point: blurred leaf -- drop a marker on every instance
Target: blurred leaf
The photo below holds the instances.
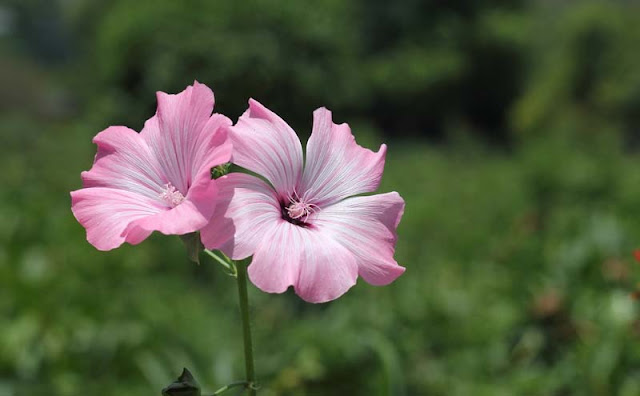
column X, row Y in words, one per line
column 193, row 245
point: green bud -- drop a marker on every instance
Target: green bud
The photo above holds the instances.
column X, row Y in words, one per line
column 220, row 170
column 185, row 385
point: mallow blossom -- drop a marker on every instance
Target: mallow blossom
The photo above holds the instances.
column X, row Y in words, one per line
column 158, row 179
column 309, row 228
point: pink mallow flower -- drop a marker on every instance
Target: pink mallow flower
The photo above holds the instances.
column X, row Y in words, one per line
column 158, row 179
column 306, row 229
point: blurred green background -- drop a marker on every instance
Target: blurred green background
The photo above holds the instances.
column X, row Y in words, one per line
column 513, row 134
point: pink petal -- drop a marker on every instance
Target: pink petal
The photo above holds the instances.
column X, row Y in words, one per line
column 276, row 262
column 182, row 132
column 327, row 269
column 214, row 150
column 189, row 216
column 336, row 166
column 124, row 161
column 248, row 221
column 106, row 212
column 366, row 226
column 131, row 189
column 265, row 144
column 319, row 268
column 246, row 208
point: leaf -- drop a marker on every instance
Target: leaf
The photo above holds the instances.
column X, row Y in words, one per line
column 194, row 246
column 185, row 385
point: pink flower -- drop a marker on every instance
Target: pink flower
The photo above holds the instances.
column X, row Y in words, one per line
column 303, row 229
column 158, row 179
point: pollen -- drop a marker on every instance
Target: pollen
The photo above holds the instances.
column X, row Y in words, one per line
column 171, row 195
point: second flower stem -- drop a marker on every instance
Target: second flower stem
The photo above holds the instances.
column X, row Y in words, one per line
column 241, row 267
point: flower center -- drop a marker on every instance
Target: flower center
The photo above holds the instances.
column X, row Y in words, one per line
column 297, row 211
column 171, row 195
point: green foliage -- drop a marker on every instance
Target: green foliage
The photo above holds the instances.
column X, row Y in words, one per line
column 518, row 256
column 583, row 75
column 362, row 57
column 517, row 283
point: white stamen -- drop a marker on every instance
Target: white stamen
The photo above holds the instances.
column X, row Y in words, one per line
column 299, row 209
column 171, row 195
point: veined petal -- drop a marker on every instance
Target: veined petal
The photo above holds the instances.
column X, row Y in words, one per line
column 158, row 180
column 366, row 226
column 106, row 212
column 214, row 149
column 181, row 131
column 336, row 166
column 124, row 161
column 319, row 268
column 327, row 269
column 189, row 216
column 246, row 209
column 265, row 144
column 276, row 263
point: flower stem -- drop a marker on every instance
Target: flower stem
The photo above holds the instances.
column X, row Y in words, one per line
column 241, row 268
column 230, row 386
column 225, row 262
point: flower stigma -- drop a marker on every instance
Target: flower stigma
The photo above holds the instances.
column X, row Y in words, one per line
column 171, row 195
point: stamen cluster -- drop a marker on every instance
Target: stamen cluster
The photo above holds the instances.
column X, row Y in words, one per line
column 171, row 195
column 298, row 209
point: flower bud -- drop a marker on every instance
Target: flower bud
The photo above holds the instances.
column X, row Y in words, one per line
column 185, row 385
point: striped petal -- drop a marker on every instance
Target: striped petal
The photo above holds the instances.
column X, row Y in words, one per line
column 336, row 166
column 366, row 226
column 266, row 145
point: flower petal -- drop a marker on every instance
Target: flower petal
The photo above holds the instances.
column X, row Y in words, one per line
column 181, row 132
column 276, row 262
column 336, row 166
column 366, row 226
column 106, row 212
column 265, row 144
column 319, row 268
column 189, row 216
column 124, row 161
column 246, row 207
column 215, row 149
column 327, row 269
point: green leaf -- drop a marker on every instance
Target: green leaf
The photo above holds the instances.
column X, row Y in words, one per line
column 185, row 385
column 193, row 245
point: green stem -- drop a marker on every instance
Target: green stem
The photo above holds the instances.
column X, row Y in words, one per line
column 227, row 264
column 230, row 386
column 241, row 268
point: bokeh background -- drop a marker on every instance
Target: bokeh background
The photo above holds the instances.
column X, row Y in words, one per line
column 513, row 134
